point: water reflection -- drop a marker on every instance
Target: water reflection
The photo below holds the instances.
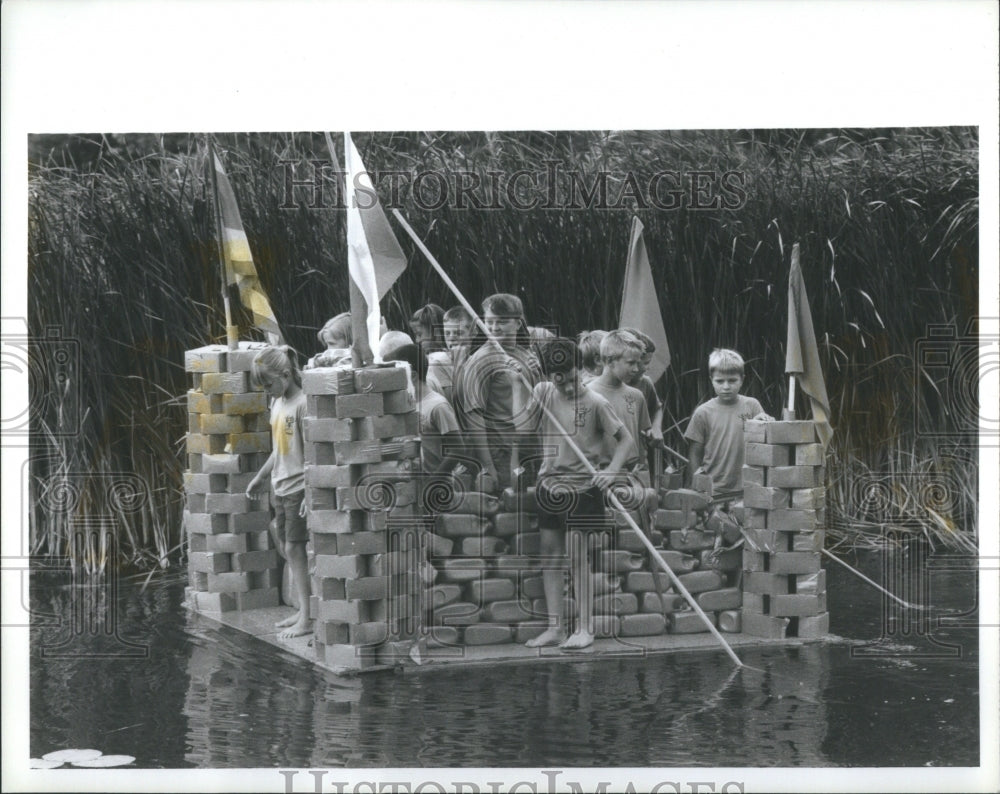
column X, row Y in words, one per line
column 212, row 697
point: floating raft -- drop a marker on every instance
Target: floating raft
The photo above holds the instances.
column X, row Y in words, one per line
column 259, row 623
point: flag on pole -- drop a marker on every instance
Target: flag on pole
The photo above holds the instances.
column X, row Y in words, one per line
column 801, row 352
column 640, row 308
column 238, row 262
column 374, row 258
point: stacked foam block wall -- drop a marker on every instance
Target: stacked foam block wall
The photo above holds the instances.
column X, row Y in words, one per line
column 784, row 586
column 711, row 578
column 361, row 494
column 232, row 562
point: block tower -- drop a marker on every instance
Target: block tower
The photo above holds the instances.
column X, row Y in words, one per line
column 232, row 562
column 784, row 587
column 362, row 457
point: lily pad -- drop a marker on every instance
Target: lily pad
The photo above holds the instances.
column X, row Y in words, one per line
column 107, row 760
column 72, row 755
column 41, row 763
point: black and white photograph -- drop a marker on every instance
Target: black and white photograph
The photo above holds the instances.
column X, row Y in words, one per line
column 576, row 396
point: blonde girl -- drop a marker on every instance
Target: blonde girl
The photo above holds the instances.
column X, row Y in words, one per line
column 275, row 369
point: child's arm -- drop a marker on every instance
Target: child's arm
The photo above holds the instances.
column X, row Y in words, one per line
column 452, row 441
column 606, row 477
column 696, row 455
column 261, row 477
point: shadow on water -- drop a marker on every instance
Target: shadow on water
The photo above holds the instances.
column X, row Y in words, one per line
column 146, row 678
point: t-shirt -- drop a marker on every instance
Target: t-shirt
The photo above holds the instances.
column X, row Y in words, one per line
column 487, row 385
column 648, row 390
column 629, row 405
column 589, row 420
column 720, row 428
column 440, row 372
column 288, row 474
column 437, row 418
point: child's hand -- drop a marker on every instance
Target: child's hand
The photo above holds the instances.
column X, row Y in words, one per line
column 302, row 509
column 763, row 417
column 604, row 479
column 252, row 489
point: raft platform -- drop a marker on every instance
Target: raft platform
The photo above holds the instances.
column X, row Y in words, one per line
column 259, row 624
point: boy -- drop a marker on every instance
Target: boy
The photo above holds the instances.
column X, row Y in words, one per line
column 642, row 382
column 590, row 354
column 443, row 365
column 570, row 497
column 620, row 356
column 438, row 426
column 716, row 427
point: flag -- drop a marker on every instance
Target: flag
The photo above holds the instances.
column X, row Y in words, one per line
column 374, row 258
column 237, row 261
column 801, row 353
column 640, row 308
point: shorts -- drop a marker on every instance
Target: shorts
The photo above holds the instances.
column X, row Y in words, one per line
column 562, row 506
column 288, row 525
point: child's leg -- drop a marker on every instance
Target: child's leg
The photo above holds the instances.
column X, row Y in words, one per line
column 552, row 545
column 299, row 567
column 579, row 561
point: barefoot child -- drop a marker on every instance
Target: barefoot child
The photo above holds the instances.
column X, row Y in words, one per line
column 275, row 370
column 570, row 497
column 716, row 427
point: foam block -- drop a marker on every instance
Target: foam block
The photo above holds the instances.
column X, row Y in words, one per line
column 689, row 622
column 648, row 624
column 791, row 477
column 487, row 634
column 716, row 600
column 767, row 455
column 767, row 626
column 791, row 432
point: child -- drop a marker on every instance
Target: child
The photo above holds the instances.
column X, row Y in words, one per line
column 275, row 370
column 491, row 395
column 570, row 498
column 439, row 430
column 391, row 341
column 336, row 335
column 427, row 328
column 716, row 427
column 620, row 355
column 642, row 382
column 589, row 343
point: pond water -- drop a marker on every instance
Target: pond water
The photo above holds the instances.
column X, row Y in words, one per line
column 176, row 691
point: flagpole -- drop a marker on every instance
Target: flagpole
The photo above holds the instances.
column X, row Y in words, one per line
column 654, row 552
column 789, row 414
column 232, row 333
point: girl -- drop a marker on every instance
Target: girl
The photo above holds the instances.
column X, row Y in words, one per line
column 276, row 371
column 490, row 395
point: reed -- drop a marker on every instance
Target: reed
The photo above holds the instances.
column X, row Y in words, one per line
column 122, row 259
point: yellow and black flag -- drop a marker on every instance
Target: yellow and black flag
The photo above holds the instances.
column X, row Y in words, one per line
column 237, row 261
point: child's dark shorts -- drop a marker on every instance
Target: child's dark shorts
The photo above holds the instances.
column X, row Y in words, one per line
column 289, row 526
column 566, row 505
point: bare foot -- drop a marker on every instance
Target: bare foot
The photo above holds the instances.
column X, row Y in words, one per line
column 301, row 627
column 289, row 621
column 551, row 636
column 577, row 641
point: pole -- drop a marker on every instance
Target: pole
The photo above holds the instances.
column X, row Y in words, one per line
column 577, row 451
column 789, row 414
column 232, row 332
column 874, row 584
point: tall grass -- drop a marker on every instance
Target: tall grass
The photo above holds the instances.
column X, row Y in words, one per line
column 121, row 258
